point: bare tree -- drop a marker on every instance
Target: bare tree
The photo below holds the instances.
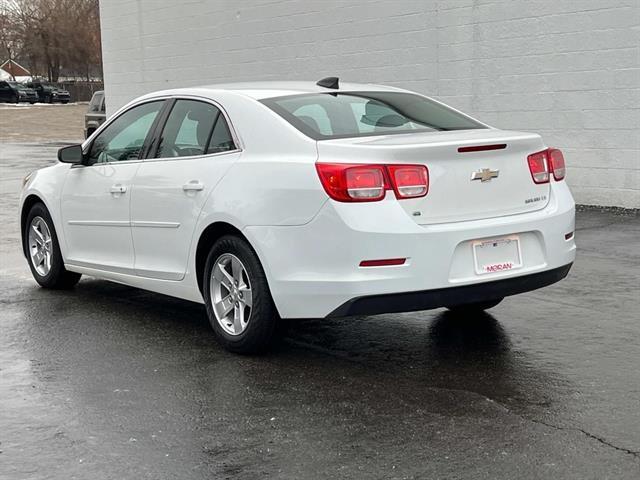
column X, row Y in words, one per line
column 84, row 50
column 55, row 35
column 9, row 37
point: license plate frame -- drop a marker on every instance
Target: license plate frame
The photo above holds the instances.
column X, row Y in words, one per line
column 495, row 255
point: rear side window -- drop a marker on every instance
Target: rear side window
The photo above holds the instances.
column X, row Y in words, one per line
column 355, row 114
column 221, row 140
column 194, row 128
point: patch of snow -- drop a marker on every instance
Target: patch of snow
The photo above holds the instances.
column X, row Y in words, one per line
column 37, row 104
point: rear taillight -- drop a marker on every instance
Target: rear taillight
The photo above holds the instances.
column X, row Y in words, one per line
column 538, row 166
column 543, row 164
column 353, row 183
column 347, row 182
column 409, row 181
column 556, row 164
column 365, row 183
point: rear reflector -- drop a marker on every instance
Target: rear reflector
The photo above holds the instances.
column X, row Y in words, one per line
column 348, row 182
column 409, row 181
column 383, row 263
column 480, row 148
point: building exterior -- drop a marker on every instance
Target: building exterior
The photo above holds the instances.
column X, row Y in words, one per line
column 567, row 69
column 12, row 69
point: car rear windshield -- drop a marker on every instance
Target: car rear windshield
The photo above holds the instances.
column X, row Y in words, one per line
column 323, row 116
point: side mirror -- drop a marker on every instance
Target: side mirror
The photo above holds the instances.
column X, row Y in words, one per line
column 71, row 154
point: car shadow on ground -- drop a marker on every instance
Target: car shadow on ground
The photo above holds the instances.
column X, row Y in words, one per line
column 120, row 357
column 437, row 350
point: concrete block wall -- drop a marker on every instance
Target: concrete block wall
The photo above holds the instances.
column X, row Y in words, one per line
column 568, row 69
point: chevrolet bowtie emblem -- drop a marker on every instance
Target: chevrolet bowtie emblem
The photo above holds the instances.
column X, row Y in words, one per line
column 485, row 174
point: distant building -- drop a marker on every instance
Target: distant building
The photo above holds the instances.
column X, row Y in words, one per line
column 14, row 69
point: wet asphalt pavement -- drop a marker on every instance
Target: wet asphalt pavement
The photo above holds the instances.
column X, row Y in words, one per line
column 111, row 382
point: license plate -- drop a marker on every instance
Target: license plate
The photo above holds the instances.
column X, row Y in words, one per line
column 497, row 255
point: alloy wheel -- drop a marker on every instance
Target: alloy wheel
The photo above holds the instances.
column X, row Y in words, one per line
column 231, row 294
column 40, row 246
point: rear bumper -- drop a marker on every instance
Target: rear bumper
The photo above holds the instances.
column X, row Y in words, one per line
column 444, row 297
column 313, row 269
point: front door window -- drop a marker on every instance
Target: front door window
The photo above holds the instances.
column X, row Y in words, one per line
column 124, row 138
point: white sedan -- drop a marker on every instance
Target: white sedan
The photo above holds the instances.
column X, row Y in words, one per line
column 291, row 200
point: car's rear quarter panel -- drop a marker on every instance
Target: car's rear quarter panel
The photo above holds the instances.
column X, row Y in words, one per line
column 273, row 183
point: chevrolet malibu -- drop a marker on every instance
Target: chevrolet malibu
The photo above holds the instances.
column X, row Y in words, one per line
column 294, row 200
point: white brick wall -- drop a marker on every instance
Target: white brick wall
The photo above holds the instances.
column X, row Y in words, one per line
column 568, row 69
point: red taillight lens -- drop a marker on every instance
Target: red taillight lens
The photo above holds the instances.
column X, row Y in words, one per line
column 409, row 181
column 543, row 164
column 556, row 164
column 352, row 183
column 365, row 183
column 538, row 166
column 347, row 182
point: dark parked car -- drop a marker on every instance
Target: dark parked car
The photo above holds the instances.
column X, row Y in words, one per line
column 48, row 93
column 96, row 114
column 14, row 92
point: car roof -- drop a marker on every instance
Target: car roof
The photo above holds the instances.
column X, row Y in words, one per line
column 262, row 90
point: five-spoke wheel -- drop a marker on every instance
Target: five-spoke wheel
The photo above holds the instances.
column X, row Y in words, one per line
column 237, row 297
column 43, row 251
column 231, row 294
column 40, row 245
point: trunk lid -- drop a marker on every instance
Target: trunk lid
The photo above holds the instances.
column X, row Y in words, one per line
column 453, row 195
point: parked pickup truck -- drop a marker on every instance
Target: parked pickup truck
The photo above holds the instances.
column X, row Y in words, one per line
column 96, row 114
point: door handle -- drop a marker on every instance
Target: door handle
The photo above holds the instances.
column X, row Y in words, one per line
column 193, row 186
column 118, row 188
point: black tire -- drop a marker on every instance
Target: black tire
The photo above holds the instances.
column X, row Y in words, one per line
column 58, row 277
column 475, row 307
column 260, row 331
column 16, row 100
column 64, row 102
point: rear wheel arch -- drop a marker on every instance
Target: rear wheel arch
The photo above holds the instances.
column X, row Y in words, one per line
column 208, row 237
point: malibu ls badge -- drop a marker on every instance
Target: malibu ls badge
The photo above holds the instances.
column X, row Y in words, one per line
column 485, row 174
